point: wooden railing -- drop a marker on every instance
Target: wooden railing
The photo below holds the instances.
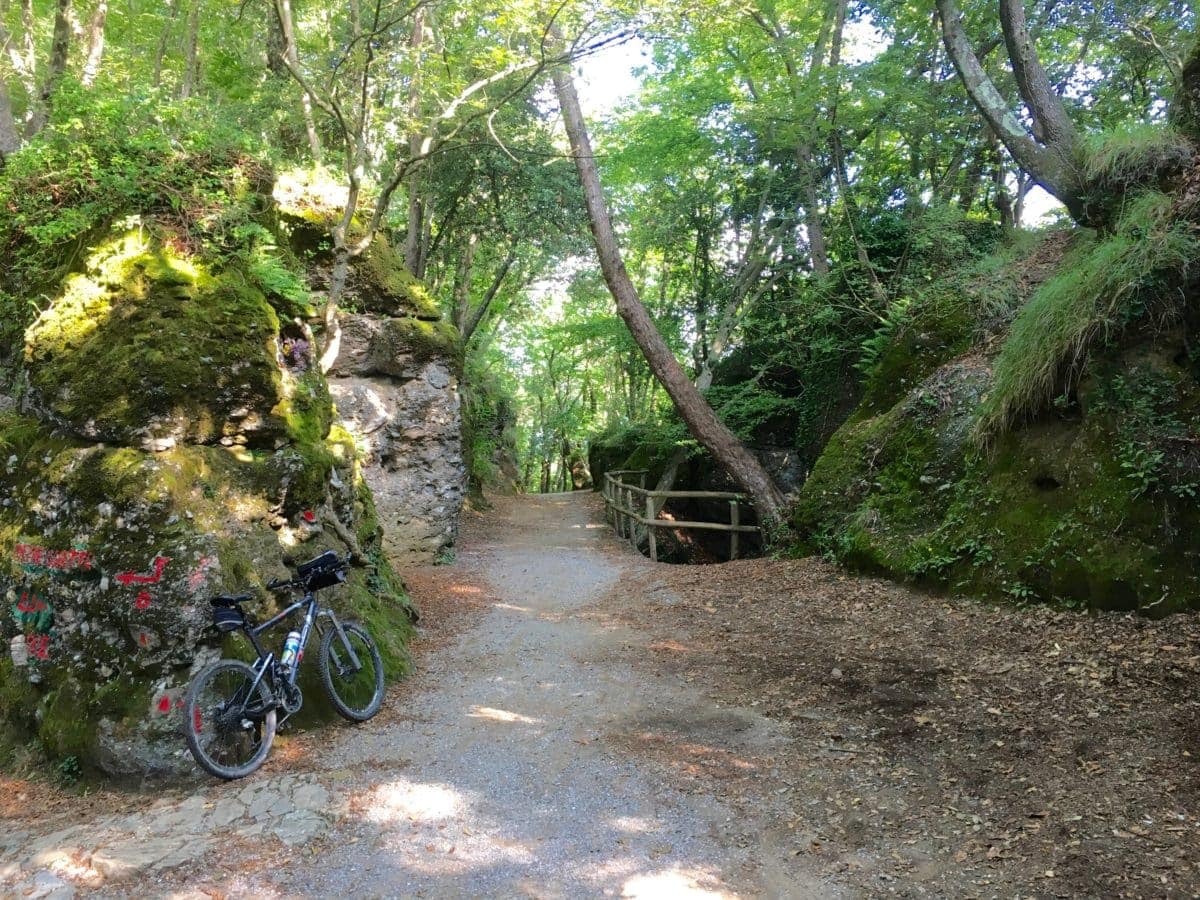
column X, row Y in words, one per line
column 625, row 513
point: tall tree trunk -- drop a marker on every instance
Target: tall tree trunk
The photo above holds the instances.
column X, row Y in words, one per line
column 95, row 53
column 10, row 137
column 462, row 282
column 276, row 45
column 416, row 206
column 1185, row 105
column 191, row 52
column 690, row 403
column 1051, row 124
column 164, row 38
column 283, row 9
column 29, row 52
column 60, row 47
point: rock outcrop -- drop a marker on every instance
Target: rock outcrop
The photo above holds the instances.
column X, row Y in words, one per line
column 167, row 435
column 1091, row 503
column 395, row 383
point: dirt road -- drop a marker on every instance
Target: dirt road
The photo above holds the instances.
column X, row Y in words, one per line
column 493, row 773
column 583, row 723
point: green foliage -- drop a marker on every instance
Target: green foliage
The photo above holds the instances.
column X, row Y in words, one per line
column 1107, row 283
column 100, row 159
column 873, row 348
column 1154, row 440
column 276, row 277
column 69, row 770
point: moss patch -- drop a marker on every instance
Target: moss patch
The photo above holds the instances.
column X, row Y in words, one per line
column 146, row 344
column 1059, row 512
column 382, row 284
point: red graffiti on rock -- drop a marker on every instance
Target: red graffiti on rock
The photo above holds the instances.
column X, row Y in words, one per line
column 39, row 645
column 165, row 704
column 159, row 564
column 143, row 600
column 200, row 575
column 54, row 560
column 31, row 603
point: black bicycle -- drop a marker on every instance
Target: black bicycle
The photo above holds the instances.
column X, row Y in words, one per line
column 231, row 708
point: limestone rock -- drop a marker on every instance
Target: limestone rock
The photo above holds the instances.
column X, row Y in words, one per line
column 396, row 390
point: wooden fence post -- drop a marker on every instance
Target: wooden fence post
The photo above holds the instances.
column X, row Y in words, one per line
column 651, row 531
column 632, row 520
column 622, row 522
column 734, row 520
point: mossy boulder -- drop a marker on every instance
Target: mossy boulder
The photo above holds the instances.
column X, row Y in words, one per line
column 174, row 439
column 380, row 283
column 1090, row 505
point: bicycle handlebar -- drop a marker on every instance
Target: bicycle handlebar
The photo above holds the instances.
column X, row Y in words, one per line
column 279, row 585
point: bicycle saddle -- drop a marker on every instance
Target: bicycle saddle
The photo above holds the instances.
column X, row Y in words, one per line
column 230, row 600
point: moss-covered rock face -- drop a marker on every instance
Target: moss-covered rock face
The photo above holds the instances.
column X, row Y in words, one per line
column 173, row 441
column 1091, row 505
column 148, row 347
column 310, row 204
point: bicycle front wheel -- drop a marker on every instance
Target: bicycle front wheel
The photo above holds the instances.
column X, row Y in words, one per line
column 355, row 692
column 228, row 722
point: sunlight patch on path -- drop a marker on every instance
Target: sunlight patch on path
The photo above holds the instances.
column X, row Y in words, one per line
column 502, row 715
column 673, row 884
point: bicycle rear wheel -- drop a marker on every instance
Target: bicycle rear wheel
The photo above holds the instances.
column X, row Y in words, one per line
column 229, row 723
column 356, row 693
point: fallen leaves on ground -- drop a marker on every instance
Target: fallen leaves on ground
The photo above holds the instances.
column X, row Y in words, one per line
column 943, row 745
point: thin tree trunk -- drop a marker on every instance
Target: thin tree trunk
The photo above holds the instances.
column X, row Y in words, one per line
column 29, row 75
column 164, row 38
column 470, row 325
column 95, row 53
column 462, row 283
column 416, row 208
column 283, row 9
column 10, row 137
column 695, row 411
column 191, row 52
column 60, row 47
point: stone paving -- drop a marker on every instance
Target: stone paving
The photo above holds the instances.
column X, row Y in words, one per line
column 120, row 848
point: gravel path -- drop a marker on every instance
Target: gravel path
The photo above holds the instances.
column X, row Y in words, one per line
column 496, row 772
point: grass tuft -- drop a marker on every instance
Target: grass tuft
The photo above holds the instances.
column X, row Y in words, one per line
column 1138, row 154
column 1106, row 283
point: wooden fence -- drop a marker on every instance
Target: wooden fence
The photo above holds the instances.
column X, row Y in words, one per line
column 625, row 513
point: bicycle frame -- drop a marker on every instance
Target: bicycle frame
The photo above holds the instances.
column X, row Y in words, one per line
column 266, row 658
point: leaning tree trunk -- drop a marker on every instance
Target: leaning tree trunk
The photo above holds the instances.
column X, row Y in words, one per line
column 703, row 423
column 1048, row 154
